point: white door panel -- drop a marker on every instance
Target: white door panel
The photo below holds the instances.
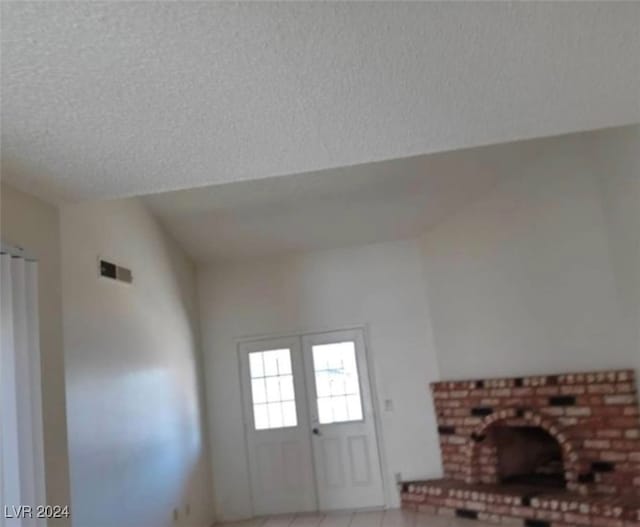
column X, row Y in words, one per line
column 359, row 460
column 345, row 447
column 277, row 423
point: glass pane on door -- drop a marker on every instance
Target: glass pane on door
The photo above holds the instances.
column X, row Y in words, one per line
column 272, row 394
column 337, row 385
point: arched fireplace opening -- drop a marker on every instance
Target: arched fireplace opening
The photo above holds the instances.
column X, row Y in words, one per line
column 527, row 455
column 512, row 447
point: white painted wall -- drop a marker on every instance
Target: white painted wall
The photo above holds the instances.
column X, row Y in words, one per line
column 617, row 157
column 378, row 285
column 35, row 225
column 541, row 275
column 135, row 436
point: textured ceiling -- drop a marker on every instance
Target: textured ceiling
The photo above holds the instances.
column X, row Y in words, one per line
column 112, row 99
column 366, row 203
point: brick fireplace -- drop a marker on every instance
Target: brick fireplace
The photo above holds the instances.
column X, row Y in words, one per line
column 553, row 450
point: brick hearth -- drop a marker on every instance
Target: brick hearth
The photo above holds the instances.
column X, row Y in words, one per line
column 594, row 417
column 519, row 505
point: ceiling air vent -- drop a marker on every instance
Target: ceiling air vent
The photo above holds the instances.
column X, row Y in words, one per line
column 115, row 272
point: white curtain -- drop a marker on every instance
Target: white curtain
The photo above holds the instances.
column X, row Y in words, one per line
column 21, row 449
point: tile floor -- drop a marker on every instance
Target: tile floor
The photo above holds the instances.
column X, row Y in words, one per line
column 389, row 518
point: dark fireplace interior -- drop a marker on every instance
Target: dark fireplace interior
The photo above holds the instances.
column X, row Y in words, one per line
column 528, row 455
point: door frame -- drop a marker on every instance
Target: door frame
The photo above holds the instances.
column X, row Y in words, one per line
column 246, row 419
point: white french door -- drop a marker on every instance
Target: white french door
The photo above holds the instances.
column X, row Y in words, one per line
column 277, row 425
column 345, row 444
column 310, row 427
